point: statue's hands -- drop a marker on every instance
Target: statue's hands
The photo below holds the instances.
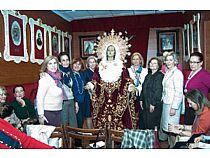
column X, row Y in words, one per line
column 131, row 88
column 89, row 86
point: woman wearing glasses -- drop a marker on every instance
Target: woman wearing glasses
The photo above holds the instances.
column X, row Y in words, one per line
column 197, row 78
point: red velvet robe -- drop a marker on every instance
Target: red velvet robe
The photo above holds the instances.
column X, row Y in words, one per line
column 24, row 141
column 112, row 103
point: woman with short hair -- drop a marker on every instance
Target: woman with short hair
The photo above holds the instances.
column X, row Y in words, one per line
column 68, row 108
column 151, row 94
column 197, row 78
column 172, row 97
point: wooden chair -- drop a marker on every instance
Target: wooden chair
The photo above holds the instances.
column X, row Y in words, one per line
column 85, row 135
column 113, row 137
column 116, row 138
column 60, row 133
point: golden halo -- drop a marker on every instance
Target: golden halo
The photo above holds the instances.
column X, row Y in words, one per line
column 120, row 42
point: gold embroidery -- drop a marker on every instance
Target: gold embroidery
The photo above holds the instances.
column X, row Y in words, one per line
column 106, row 109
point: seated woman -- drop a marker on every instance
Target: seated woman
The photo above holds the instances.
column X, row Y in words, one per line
column 23, row 107
column 6, row 111
column 201, row 124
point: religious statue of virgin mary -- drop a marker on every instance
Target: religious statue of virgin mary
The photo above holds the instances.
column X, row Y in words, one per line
column 111, row 86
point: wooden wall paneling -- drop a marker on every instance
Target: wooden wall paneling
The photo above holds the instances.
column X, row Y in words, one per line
column 207, row 45
column 12, row 73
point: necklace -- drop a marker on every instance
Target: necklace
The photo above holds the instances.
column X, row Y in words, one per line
column 191, row 75
column 80, row 92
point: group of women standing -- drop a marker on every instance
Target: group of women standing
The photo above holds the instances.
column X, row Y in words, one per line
column 61, row 96
column 162, row 94
column 63, row 91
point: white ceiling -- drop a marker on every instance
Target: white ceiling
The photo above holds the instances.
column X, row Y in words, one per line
column 70, row 15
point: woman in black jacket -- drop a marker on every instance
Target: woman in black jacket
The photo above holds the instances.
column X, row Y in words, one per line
column 151, row 95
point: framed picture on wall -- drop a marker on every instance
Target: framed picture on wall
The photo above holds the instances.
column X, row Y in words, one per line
column 15, row 36
column 186, row 42
column 195, row 33
column 167, row 40
column 87, row 45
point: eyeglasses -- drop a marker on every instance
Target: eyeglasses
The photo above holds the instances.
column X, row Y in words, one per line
column 194, row 62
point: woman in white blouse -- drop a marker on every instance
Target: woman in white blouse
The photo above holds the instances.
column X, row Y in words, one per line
column 138, row 74
column 136, row 71
column 50, row 94
column 172, row 97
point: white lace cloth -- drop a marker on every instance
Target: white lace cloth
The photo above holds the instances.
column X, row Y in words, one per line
column 43, row 133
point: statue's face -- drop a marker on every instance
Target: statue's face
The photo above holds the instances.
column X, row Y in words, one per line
column 111, row 51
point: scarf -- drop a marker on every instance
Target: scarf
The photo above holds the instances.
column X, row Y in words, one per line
column 66, row 78
column 57, row 78
column 137, row 75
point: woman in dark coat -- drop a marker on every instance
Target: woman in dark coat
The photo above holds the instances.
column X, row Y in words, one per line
column 88, row 73
column 151, row 95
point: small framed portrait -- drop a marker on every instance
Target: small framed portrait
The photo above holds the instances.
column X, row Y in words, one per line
column 55, row 45
column 195, row 33
column 87, row 45
column 16, row 33
column 167, row 40
column 186, row 42
column 39, row 39
column 66, row 44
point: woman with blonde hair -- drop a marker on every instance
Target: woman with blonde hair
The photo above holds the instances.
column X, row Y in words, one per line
column 164, row 67
column 172, row 97
column 138, row 74
column 50, row 94
column 88, row 73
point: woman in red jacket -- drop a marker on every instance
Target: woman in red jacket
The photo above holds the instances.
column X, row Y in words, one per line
column 199, row 103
